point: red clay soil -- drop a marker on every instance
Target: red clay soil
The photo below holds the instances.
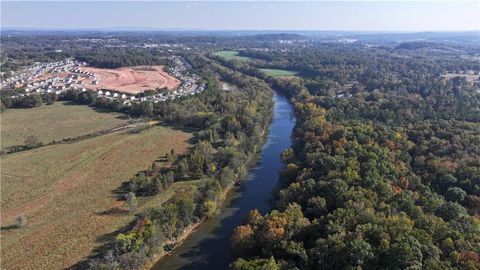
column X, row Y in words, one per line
column 132, row 80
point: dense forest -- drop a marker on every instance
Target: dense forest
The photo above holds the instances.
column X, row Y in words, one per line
column 384, row 168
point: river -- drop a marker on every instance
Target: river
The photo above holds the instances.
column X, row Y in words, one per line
column 209, row 246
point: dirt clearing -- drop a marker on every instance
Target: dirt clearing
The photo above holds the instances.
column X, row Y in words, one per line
column 132, row 80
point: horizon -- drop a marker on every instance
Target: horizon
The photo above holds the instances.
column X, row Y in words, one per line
column 325, row 16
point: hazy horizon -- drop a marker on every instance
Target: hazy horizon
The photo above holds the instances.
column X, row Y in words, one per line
column 348, row 16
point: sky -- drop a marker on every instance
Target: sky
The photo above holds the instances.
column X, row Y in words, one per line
column 387, row 15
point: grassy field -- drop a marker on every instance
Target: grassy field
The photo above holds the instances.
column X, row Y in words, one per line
column 54, row 122
column 278, row 72
column 229, row 55
column 65, row 191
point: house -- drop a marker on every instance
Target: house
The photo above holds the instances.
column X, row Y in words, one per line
column 107, row 93
column 115, row 94
column 124, row 96
column 132, row 98
column 100, row 92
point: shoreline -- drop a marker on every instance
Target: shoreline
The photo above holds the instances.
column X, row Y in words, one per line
column 160, row 255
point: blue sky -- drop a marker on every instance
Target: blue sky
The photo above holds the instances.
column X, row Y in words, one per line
column 247, row 15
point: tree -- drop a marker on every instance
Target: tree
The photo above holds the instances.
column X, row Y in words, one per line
column 31, row 141
column 131, row 201
column 144, row 108
column 451, row 210
column 256, row 264
column 243, row 241
column 455, row 194
column 182, row 169
column 21, row 221
column 31, row 101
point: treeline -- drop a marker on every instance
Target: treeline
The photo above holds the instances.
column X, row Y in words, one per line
column 23, row 101
column 121, row 57
column 385, row 176
column 230, row 128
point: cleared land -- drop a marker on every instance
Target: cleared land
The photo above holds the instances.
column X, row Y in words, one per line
column 132, row 80
column 469, row 77
column 278, row 72
column 54, row 122
column 66, row 193
column 229, row 55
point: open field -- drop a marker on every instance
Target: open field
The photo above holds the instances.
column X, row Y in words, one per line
column 229, row 55
column 132, row 80
column 278, row 72
column 54, row 122
column 469, row 77
column 65, row 191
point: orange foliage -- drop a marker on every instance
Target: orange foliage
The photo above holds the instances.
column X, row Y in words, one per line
column 275, row 227
column 469, row 256
column 448, row 165
column 396, row 189
column 390, row 145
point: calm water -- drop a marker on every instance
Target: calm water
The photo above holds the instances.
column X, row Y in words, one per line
column 209, row 246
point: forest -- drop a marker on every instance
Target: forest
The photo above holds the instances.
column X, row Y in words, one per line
column 384, row 168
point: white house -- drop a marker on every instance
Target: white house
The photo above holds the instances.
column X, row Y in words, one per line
column 107, row 93
column 124, row 96
column 100, row 92
column 115, row 95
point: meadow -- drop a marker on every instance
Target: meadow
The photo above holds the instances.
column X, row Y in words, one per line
column 54, row 122
column 278, row 72
column 67, row 194
column 229, row 55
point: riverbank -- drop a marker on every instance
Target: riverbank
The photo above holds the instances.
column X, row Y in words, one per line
column 193, row 227
column 208, row 246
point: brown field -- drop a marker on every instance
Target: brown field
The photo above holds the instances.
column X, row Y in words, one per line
column 65, row 191
column 133, row 80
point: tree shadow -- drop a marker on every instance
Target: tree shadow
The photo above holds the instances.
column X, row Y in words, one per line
column 114, row 211
column 9, row 227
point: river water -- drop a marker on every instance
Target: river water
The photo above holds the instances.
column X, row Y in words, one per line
column 209, row 247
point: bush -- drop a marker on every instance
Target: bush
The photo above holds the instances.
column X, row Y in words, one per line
column 21, row 221
column 131, row 201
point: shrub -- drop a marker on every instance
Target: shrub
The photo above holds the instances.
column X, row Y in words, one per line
column 131, row 201
column 21, row 221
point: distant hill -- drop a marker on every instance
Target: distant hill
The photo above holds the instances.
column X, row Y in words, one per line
column 416, row 45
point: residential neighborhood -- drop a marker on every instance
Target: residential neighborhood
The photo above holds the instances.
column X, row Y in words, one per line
column 57, row 77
